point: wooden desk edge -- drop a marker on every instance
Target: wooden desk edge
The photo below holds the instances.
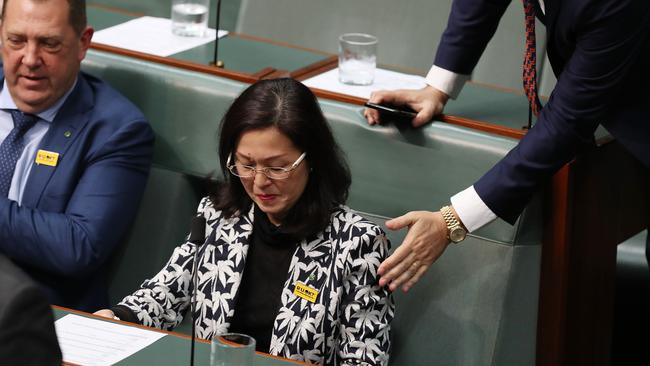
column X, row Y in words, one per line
column 176, row 334
column 186, row 65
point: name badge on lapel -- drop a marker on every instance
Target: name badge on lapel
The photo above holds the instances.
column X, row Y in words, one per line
column 306, row 292
column 48, row 158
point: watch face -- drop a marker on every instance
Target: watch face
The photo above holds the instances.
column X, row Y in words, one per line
column 457, row 234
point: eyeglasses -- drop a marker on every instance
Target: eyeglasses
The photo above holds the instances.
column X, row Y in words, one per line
column 271, row 172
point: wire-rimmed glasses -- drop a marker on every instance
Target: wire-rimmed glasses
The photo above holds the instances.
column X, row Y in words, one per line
column 271, row 172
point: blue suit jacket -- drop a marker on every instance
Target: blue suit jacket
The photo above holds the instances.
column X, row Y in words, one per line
column 74, row 215
column 600, row 52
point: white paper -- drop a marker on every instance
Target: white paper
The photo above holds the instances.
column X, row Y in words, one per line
column 86, row 341
column 151, row 35
column 384, row 80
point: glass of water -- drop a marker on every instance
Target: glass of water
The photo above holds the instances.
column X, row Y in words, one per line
column 357, row 58
column 190, row 17
column 232, row 349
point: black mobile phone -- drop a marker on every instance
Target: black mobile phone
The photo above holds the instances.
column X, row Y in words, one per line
column 400, row 112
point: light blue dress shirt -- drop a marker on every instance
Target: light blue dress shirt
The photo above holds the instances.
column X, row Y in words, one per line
column 32, row 138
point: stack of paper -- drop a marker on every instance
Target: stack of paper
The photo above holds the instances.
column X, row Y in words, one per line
column 384, row 80
column 151, row 35
column 86, row 341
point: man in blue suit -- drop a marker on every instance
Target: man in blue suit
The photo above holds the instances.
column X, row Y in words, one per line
column 599, row 51
column 82, row 163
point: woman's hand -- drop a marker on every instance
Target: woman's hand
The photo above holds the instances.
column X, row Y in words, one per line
column 106, row 313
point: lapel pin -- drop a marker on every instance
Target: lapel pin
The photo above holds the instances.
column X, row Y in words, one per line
column 67, row 134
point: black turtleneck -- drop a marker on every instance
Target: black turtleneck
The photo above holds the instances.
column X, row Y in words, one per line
column 267, row 267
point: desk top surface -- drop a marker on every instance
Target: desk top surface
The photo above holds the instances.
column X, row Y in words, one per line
column 493, row 106
column 238, row 52
column 174, row 349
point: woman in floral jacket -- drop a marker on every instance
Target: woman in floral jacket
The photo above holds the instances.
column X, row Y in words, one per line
column 283, row 260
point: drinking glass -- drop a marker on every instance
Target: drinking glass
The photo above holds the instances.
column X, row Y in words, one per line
column 357, row 58
column 232, row 349
column 190, row 17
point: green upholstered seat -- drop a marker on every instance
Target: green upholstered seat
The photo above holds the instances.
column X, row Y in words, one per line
column 476, row 306
column 163, row 221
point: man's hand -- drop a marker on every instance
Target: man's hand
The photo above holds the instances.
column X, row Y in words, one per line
column 427, row 102
column 424, row 243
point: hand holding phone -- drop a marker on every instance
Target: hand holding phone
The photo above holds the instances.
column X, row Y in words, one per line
column 402, row 112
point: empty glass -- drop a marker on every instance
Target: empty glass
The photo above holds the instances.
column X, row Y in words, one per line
column 232, row 349
column 357, row 58
column 190, row 17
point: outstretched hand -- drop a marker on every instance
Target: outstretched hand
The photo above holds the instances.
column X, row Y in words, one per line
column 425, row 242
column 427, row 102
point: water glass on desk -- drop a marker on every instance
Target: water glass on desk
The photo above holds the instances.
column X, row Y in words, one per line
column 232, row 349
column 357, row 58
column 190, row 17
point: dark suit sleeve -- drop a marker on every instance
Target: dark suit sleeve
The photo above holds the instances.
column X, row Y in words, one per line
column 27, row 335
column 97, row 215
column 608, row 41
column 470, row 27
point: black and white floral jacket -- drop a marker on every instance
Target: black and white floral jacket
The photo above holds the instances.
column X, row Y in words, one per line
column 348, row 323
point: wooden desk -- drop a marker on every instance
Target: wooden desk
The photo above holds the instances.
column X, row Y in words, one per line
column 174, row 349
column 595, row 202
column 246, row 58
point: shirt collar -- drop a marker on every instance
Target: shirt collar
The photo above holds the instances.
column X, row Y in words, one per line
column 48, row 115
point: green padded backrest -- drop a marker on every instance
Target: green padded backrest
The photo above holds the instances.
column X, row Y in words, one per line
column 394, row 169
column 162, row 8
column 408, row 31
column 548, row 80
column 184, row 108
column 398, row 169
column 169, row 202
column 477, row 305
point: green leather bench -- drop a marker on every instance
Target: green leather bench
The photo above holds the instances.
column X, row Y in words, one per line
column 476, row 306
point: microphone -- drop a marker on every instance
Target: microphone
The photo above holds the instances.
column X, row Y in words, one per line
column 197, row 237
column 215, row 61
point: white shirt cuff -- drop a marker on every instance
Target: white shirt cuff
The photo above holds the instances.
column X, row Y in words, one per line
column 471, row 209
column 446, row 81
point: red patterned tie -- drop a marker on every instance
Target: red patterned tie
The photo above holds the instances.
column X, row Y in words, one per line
column 530, row 67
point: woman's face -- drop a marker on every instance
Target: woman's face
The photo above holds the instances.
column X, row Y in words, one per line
column 271, row 148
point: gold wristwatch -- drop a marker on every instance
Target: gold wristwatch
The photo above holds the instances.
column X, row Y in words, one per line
column 455, row 230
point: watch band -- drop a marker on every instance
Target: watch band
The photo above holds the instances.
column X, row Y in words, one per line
column 453, row 225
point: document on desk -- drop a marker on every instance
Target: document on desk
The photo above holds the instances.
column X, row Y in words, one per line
column 151, row 35
column 87, row 341
column 384, row 80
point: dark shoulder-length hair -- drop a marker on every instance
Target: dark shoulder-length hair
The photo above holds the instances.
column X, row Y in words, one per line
column 293, row 109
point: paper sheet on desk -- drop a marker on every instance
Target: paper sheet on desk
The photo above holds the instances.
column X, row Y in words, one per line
column 86, row 341
column 384, row 80
column 151, row 35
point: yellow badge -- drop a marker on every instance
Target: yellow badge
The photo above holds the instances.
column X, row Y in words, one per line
column 47, row 158
column 306, row 292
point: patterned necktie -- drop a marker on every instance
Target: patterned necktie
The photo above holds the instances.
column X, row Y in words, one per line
column 530, row 64
column 12, row 147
